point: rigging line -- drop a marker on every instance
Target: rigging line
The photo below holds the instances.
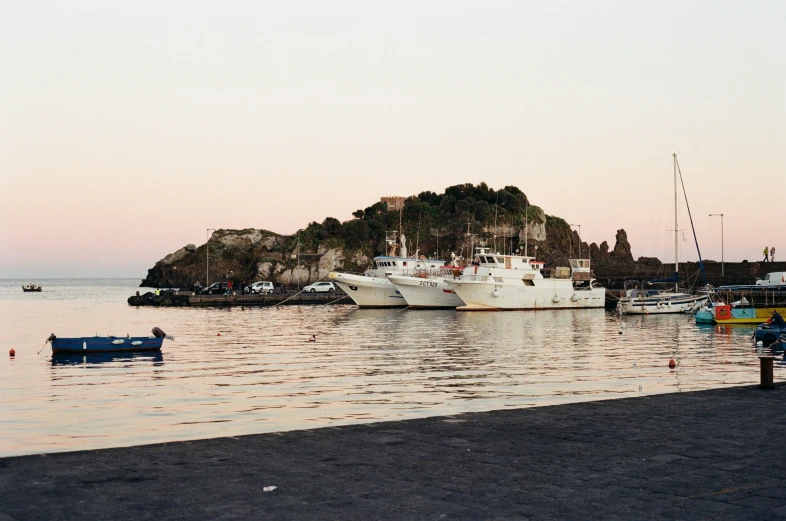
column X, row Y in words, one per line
column 299, row 292
column 339, row 298
column 696, row 240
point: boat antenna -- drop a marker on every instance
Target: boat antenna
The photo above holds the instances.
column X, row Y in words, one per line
column 417, row 236
column 495, row 223
column 696, row 240
column 469, row 251
column 526, row 227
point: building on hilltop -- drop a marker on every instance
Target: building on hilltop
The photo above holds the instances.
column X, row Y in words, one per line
column 394, row 203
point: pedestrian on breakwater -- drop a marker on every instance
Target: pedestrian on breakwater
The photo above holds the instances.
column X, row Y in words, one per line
column 766, row 254
column 772, row 254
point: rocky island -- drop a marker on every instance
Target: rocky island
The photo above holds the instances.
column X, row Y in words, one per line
column 435, row 225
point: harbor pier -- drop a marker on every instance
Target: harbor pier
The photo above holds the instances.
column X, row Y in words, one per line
column 191, row 298
column 714, row 454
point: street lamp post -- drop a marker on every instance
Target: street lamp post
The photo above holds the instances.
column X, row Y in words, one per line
column 721, row 216
column 207, row 256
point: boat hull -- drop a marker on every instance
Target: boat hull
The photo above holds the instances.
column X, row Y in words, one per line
column 369, row 292
column 748, row 315
column 548, row 294
column 110, row 344
column 426, row 293
column 661, row 305
column 704, row 316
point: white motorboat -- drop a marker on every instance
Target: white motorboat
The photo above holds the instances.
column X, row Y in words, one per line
column 659, row 302
column 429, row 289
column 372, row 289
column 497, row 281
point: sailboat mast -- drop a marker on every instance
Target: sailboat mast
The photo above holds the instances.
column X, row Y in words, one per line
column 676, row 229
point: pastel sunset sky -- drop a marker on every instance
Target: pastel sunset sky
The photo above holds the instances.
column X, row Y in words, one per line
column 129, row 128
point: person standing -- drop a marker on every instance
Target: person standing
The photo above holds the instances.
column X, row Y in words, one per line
column 766, row 254
column 772, row 254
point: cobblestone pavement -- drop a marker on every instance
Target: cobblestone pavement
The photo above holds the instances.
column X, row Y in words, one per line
column 703, row 455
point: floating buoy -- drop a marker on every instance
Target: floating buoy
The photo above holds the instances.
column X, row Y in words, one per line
column 672, row 364
column 12, row 353
column 313, row 338
column 218, row 334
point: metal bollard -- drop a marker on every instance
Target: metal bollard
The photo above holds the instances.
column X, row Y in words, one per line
column 766, row 372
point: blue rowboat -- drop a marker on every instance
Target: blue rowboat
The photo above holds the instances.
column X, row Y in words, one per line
column 108, row 344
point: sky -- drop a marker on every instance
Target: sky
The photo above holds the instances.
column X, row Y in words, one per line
column 127, row 129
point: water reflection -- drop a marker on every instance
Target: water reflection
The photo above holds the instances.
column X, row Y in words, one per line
column 239, row 371
column 124, row 359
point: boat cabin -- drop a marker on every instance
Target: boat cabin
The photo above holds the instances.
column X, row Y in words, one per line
column 580, row 269
column 503, row 261
column 406, row 263
column 642, row 293
column 387, row 265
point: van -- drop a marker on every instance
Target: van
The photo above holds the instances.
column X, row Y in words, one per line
column 776, row 278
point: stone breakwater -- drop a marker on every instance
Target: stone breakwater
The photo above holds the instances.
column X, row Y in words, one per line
column 710, row 454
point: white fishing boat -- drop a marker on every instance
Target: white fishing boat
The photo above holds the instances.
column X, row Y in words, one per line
column 658, row 302
column 429, row 289
column 372, row 289
column 498, row 281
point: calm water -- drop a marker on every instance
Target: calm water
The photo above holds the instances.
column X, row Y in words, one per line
column 241, row 371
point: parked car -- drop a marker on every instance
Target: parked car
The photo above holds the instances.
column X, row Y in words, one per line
column 262, row 286
column 217, row 288
column 320, row 287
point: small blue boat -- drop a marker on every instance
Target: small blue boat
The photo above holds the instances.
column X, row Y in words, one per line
column 768, row 334
column 107, row 344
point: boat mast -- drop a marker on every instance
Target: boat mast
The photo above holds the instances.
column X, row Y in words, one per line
column 676, row 229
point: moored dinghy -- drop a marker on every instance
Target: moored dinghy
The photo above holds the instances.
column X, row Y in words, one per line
column 108, row 344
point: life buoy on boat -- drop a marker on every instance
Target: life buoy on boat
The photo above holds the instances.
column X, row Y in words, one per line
column 754, row 268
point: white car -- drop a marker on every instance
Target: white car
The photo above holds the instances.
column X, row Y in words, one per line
column 320, row 287
column 262, row 286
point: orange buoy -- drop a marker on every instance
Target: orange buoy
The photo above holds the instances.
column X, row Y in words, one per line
column 218, row 334
column 672, row 364
column 12, row 353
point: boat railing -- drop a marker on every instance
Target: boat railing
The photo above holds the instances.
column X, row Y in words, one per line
column 475, row 278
